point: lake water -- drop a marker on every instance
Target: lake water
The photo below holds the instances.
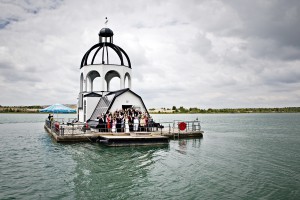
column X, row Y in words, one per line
column 241, row 156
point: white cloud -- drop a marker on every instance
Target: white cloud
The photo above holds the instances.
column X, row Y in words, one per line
column 190, row 53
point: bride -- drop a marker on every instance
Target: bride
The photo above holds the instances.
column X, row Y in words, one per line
column 126, row 124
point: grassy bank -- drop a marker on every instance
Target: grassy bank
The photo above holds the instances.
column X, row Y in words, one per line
column 183, row 110
column 173, row 110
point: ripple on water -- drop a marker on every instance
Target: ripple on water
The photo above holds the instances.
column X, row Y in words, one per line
column 240, row 157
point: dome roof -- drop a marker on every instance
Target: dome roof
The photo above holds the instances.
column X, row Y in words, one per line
column 93, row 52
column 106, row 32
column 89, row 57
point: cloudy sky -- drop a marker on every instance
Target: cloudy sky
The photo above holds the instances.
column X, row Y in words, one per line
column 201, row 53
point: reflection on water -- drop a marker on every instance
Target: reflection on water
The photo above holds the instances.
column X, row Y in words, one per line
column 187, row 144
column 110, row 172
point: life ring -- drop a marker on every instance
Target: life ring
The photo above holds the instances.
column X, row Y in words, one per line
column 182, row 126
column 56, row 125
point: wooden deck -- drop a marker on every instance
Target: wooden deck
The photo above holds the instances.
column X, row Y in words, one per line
column 131, row 140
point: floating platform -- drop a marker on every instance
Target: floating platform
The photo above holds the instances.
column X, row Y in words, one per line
column 73, row 137
column 131, row 140
column 119, row 139
column 109, row 139
column 182, row 135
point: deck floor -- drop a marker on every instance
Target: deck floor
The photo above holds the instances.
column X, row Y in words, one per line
column 76, row 135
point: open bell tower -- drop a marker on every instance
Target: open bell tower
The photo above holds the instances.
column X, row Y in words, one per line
column 103, row 61
column 106, row 70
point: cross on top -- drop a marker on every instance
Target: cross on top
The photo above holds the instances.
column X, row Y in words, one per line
column 106, row 21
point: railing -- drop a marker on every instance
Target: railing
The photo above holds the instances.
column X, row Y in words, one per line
column 127, row 128
column 59, row 127
column 173, row 127
column 166, row 127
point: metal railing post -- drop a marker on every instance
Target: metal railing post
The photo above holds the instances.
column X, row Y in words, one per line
column 61, row 129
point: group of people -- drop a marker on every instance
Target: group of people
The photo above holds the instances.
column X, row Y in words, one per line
column 124, row 120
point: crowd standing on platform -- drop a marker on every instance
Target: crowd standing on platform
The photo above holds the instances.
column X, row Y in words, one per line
column 125, row 120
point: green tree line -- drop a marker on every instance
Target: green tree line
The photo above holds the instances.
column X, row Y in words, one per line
column 181, row 109
column 20, row 109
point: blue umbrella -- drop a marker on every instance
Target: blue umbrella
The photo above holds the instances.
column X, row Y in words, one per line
column 58, row 108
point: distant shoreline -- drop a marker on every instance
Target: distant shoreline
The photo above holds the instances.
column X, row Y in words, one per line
column 182, row 110
column 33, row 113
column 174, row 110
column 26, row 109
column 212, row 113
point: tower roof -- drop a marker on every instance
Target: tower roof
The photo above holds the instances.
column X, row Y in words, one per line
column 106, row 32
column 102, row 47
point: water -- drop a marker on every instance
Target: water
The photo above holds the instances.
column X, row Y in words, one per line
column 242, row 156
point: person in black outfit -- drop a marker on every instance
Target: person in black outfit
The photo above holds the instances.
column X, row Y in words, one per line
column 101, row 124
column 119, row 121
column 130, row 121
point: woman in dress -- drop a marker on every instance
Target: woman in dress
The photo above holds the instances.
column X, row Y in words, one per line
column 136, row 123
column 114, row 122
column 126, row 124
column 108, row 122
column 142, row 123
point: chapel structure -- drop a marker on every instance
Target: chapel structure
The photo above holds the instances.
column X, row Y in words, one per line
column 103, row 62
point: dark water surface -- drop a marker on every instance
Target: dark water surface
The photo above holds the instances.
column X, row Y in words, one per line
column 241, row 156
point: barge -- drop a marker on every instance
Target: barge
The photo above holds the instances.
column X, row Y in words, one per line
column 79, row 132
